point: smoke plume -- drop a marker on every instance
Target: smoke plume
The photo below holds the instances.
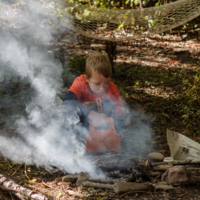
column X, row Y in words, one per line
column 46, row 133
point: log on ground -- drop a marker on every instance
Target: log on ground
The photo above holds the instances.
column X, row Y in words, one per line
column 128, row 186
column 10, row 185
column 98, row 185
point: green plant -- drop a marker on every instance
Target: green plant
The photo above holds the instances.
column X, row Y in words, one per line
column 191, row 90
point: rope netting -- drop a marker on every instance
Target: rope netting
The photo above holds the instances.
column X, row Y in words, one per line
column 119, row 25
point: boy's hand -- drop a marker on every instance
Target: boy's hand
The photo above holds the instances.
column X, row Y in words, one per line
column 98, row 119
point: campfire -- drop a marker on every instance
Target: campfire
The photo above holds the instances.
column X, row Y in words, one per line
column 123, row 173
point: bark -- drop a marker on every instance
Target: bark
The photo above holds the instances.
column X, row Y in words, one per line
column 70, row 178
column 82, row 178
column 127, row 187
column 97, row 185
column 20, row 196
column 18, row 190
column 105, row 181
column 163, row 167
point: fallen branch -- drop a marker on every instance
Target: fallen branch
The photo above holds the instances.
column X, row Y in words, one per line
column 101, row 181
column 16, row 169
column 163, row 167
column 9, row 185
column 185, row 162
column 70, row 178
column 128, row 187
column 20, row 196
column 142, row 164
column 97, row 185
column 157, row 166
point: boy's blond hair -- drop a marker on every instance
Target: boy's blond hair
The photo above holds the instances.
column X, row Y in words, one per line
column 99, row 63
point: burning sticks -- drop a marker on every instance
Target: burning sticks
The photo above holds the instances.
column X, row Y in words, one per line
column 145, row 176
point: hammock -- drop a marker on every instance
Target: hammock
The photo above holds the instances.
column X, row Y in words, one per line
column 119, row 25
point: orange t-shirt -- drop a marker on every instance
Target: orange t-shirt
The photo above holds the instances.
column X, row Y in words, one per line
column 84, row 94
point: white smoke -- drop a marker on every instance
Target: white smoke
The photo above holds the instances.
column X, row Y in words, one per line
column 47, row 135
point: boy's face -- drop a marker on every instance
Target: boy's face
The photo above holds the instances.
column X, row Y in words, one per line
column 98, row 83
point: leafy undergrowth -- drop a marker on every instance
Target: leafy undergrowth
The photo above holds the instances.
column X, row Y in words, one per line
column 172, row 96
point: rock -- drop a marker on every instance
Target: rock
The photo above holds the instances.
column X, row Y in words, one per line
column 177, row 175
column 155, row 157
column 70, row 178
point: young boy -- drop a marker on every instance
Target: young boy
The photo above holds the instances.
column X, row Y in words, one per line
column 96, row 83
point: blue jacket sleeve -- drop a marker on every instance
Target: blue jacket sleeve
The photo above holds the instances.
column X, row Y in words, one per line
column 119, row 122
column 71, row 98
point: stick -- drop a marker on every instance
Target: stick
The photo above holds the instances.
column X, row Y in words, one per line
column 127, row 186
column 17, row 169
column 156, row 178
column 100, row 181
column 11, row 195
column 162, row 167
column 10, row 185
column 97, row 185
column 142, row 164
column 26, row 172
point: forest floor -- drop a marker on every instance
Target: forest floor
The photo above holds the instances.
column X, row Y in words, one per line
column 159, row 81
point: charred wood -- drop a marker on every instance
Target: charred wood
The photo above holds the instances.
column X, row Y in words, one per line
column 138, row 174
